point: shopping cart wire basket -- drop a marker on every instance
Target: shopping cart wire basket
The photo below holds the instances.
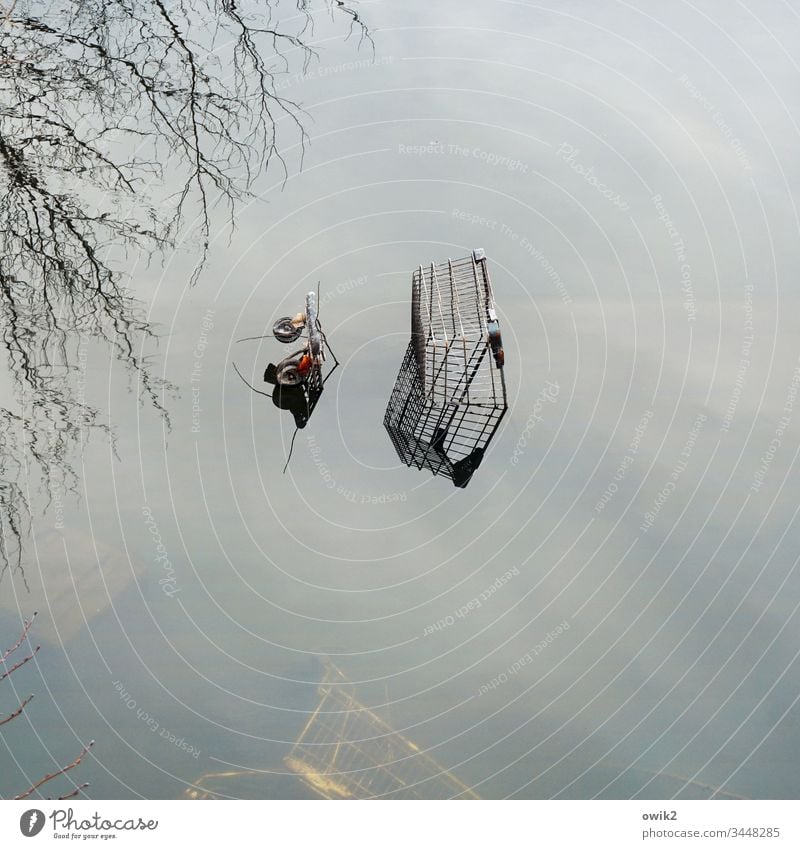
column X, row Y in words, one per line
column 450, row 394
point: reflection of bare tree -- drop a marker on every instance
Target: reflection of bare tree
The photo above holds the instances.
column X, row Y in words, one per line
column 8, row 665
column 97, row 99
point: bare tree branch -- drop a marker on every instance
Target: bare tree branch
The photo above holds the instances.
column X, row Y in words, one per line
column 26, row 627
column 61, row 771
column 50, row 776
column 17, row 712
column 17, row 665
column 75, row 792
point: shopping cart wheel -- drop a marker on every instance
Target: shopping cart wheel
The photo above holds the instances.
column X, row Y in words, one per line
column 288, row 373
column 496, row 343
column 284, row 330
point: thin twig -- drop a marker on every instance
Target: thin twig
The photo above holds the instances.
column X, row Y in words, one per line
column 62, row 771
column 17, row 712
column 75, row 792
column 25, row 629
column 16, row 666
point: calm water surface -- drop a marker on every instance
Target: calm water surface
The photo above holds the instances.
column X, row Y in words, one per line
column 631, row 174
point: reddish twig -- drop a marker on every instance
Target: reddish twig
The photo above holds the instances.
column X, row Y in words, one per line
column 75, row 792
column 17, row 712
column 25, row 629
column 21, row 663
column 51, row 776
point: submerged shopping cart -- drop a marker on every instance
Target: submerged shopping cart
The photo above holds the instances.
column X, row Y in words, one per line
column 346, row 750
column 450, row 394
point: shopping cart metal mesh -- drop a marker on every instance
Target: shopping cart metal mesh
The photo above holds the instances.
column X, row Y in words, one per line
column 347, row 751
column 450, row 394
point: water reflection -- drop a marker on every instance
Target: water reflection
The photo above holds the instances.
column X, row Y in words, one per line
column 299, row 378
column 48, row 416
column 450, row 394
column 679, row 654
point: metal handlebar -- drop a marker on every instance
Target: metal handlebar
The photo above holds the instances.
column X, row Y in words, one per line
column 314, row 336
